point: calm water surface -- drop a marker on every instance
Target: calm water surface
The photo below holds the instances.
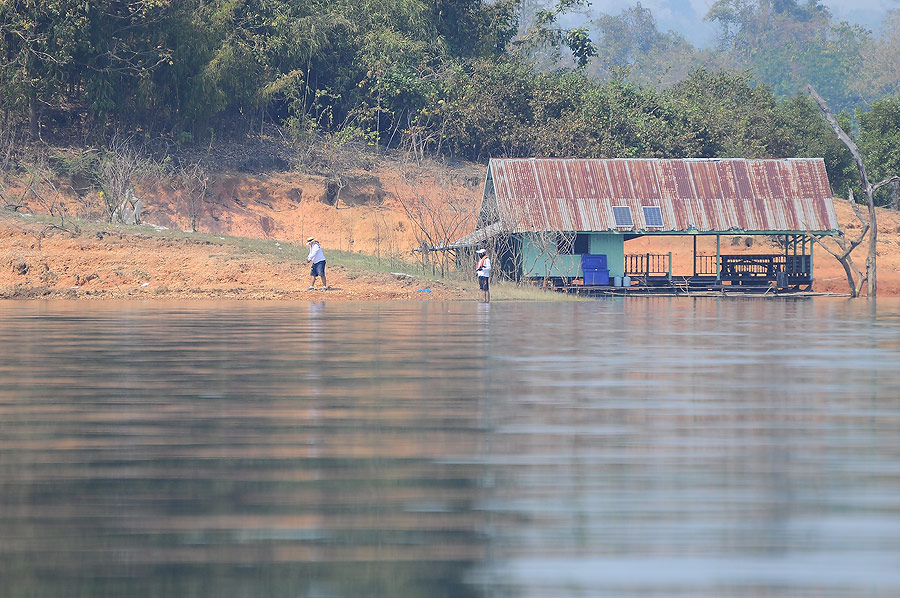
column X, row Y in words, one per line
column 648, row 447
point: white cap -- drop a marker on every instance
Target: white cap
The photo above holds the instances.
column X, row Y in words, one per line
column 481, row 251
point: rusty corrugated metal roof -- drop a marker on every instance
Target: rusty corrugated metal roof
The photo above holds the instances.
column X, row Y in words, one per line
column 707, row 195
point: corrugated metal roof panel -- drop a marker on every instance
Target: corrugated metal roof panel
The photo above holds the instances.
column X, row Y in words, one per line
column 712, row 195
column 706, row 179
column 726, row 180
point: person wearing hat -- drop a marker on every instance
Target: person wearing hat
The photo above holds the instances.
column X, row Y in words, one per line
column 317, row 258
column 483, row 271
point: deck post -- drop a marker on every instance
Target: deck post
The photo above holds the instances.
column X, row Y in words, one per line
column 811, row 245
column 669, row 276
column 787, row 245
column 718, row 258
column 695, row 256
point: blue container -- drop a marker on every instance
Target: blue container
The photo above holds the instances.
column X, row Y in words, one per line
column 593, row 261
column 598, row 277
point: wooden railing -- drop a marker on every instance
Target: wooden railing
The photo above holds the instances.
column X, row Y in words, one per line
column 705, row 265
column 726, row 266
column 764, row 266
column 648, row 264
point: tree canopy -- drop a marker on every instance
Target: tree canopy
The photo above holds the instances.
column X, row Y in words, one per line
column 465, row 78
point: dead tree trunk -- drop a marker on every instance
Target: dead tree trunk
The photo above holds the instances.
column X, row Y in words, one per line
column 846, row 248
column 867, row 188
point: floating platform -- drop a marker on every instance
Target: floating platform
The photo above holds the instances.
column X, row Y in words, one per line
column 693, row 287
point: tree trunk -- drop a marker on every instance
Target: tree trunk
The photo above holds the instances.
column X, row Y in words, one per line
column 849, row 272
column 867, row 187
column 871, row 271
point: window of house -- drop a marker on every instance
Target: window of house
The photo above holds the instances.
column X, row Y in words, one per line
column 573, row 243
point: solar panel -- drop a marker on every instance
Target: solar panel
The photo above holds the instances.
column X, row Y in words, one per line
column 653, row 216
column 622, row 216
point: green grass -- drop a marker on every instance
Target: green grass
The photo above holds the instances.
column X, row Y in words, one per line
column 510, row 291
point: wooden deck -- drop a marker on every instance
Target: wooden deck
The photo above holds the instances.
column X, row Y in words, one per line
column 685, row 287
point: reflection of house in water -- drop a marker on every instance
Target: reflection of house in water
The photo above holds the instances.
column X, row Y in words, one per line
column 565, row 221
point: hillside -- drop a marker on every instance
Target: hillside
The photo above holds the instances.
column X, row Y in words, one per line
column 369, row 227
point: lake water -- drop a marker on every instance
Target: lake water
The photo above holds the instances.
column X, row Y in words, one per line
column 641, row 447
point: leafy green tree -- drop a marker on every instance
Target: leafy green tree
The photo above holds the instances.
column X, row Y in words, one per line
column 879, row 142
column 788, row 45
column 88, row 52
column 38, row 43
column 879, row 73
column 729, row 116
column 475, row 28
column 487, row 109
column 632, row 41
column 811, row 136
column 544, row 37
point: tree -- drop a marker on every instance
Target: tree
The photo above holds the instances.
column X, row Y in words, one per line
column 879, row 73
column 879, row 140
column 37, row 45
column 726, row 115
column 869, row 190
column 545, row 34
column 95, row 52
column 632, row 41
column 810, row 135
column 787, row 45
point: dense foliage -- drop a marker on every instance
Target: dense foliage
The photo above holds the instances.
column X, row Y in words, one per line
column 465, row 78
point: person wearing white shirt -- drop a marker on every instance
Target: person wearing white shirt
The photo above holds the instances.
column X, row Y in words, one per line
column 483, row 270
column 317, row 259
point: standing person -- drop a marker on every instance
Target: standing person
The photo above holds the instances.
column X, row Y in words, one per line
column 317, row 258
column 483, row 270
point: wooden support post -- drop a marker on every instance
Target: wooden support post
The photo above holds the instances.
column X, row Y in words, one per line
column 670, row 267
column 787, row 243
column 718, row 258
column 695, row 256
column 811, row 245
column 794, row 263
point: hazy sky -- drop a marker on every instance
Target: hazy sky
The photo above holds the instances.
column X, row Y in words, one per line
column 686, row 16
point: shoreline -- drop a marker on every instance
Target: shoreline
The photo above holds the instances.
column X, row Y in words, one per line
column 44, row 258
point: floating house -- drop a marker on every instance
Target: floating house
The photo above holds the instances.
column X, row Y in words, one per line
column 565, row 221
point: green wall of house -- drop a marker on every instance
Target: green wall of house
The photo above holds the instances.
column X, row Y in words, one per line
column 539, row 257
column 613, row 245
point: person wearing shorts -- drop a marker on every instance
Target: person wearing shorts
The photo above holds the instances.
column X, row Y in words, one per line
column 483, row 271
column 317, row 259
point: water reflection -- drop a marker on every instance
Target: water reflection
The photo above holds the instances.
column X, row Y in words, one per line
column 650, row 447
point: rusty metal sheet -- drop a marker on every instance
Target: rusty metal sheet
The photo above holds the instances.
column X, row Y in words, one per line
column 620, row 182
column 551, row 176
column 715, row 195
column 726, row 181
column 683, row 187
column 773, row 176
column 598, row 179
column 705, row 177
column 644, row 179
column 580, row 180
column 759, row 187
column 741, row 178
